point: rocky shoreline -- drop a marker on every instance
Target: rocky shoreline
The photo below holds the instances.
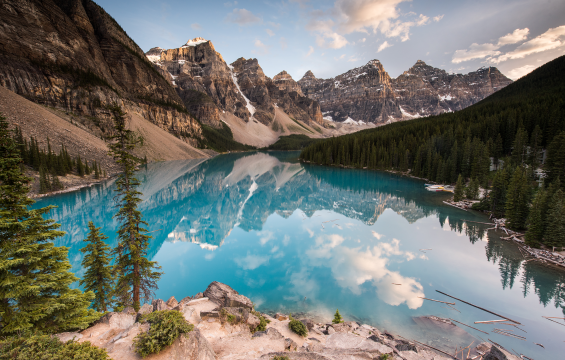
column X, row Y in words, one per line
column 225, row 325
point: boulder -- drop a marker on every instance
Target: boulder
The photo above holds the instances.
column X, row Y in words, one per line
column 118, row 320
column 223, row 295
column 129, row 310
column 185, row 300
column 331, row 330
column 209, row 314
column 290, row 344
column 253, row 321
column 198, row 296
column 144, row 310
column 193, row 346
column 497, row 353
column 281, row 317
column 172, row 302
column 159, row 305
column 241, row 314
column 308, row 323
column 403, row 345
column 270, row 333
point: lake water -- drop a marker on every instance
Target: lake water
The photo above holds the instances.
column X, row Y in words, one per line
column 305, row 238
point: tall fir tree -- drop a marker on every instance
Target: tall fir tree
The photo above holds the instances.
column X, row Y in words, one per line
column 497, row 195
column 35, row 277
column 536, row 228
column 518, row 199
column 459, row 189
column 80, row 167
column 137, row 275
column 99, row 277
column 555, row 232
column 472, row 191
column 555, row 164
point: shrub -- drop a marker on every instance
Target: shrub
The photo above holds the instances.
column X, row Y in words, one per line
column 337, row 317
column 166, row 326
column 385, row 357
column 231, row 318
column 47, row 347
column 262, row 322
column 298, row 327
column 281, row 358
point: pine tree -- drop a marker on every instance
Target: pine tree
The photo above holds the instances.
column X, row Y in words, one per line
column 44, row 184
column 86, row 167
column 497, row 196
column 337, row 317
column 96, row 171
column 555, row 232
column 80, row 167
column 518, row 200
column 472, row 191
column 459, row 189
column 35, row 292
column 98, row 277
column 555, row 163
column 137, row 276
column 536, row 228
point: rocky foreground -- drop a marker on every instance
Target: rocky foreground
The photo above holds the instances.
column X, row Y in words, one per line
column 224, row 322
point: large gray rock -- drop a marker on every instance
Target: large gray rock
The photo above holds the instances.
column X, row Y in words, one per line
column 223, row 295
column 496, row 353
column 308, row 323
column 253, row 321
column 290, row 344
column 118, row 320
column 270, row 333
column 144, row 310
column 350, row 341
column 172, row 302
column 159, row 305
column 193, row 346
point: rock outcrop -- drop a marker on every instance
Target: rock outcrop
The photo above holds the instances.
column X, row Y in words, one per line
column 369, row 94
column 225, row 296
column 72, row 55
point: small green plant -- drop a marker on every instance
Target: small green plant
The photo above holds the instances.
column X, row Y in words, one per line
column 281, row 358
column 298, row 327
column 385, row 357
column 231, row 318
column 337, row 317
column 47, row 347
column 166, row 326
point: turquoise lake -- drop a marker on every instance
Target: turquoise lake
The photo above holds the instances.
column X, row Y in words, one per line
column 306, row 238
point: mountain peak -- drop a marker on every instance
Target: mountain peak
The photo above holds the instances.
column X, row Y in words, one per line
column 283, row 75
column 374, row 62
column 309, row 74
column 195, row 41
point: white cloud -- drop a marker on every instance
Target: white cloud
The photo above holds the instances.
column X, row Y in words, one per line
column 310, row 51
column 514, row 37
column 230, row 4
column 261, row 49
column 517, row 73
column 363, row 40
column 270, row 32
column 251, row 262
column 283, row 42
column 274, row 25
column 438, row 18
column 265, row 236
column 196, row 26
column 549, row 40
column 475, row 51
column 383, row 46
column 352, row 267
column 377, row 235
column 242, row 17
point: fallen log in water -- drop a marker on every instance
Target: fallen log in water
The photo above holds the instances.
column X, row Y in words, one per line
column 431, row 347
column 445, row 302
column 469, row 326
column 478, row 307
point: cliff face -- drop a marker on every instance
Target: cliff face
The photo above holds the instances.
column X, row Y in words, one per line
column 70, row 54
column 208, row 85
column 369, row 94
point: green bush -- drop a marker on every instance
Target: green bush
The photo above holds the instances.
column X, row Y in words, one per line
column 231, row 318
column 262, row 322
column 298, row 327
column 166, row 326
column 385, row 357
column 281, row 358
column 47, row 347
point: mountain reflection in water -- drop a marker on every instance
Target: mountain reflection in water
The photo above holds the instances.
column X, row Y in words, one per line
column 296, row 237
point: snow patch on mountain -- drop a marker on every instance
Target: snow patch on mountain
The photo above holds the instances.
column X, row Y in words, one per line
column 408, row 115
column 250, row 107
column 194, row 42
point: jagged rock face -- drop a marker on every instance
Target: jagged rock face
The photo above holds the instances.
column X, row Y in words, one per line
column 285, row 82
column 369, row 94
column 200, row 73
column 424, row 90
column 363, row 93
column 71, row 54
column 266, row 93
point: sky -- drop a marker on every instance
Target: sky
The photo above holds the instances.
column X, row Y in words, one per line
column 332, row 37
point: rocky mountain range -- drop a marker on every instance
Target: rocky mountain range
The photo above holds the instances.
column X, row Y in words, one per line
column 369, row 94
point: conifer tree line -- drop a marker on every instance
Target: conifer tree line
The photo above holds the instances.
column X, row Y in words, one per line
column 35, row 278
column 52, row 165
column 516, row 124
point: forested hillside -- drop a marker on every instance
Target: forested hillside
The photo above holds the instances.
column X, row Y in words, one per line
column 527, row 113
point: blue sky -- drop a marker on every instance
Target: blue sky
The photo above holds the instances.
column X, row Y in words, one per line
column 331, row 37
